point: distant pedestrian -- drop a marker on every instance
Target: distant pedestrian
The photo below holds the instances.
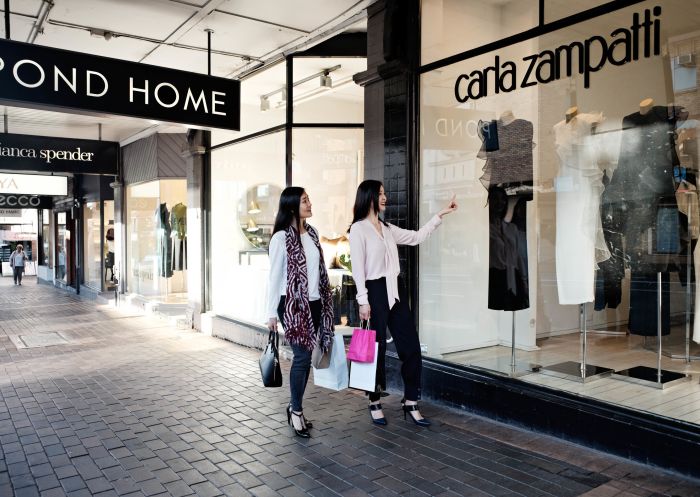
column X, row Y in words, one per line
column 299, row 294
column 382, row 295
column 17, row 260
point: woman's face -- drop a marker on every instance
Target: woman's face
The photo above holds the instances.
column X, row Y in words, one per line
column 382, row 200
column 305, row 207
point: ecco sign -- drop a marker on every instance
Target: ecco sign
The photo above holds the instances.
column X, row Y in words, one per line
column 36, row 75
column 60, row 155
column 25, row 201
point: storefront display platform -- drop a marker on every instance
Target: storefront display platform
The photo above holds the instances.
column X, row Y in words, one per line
column 576, row 371
column 657, row 378
column 681, row 402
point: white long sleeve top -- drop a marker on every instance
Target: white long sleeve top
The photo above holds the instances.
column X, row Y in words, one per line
column 278, row 270
column 375, row 256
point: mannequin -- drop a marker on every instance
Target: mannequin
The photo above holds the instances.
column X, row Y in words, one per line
column 508, row 179
column 646, row 105
column 507, row 117
column 580, row 244
column 571, row 112
column 642, row 192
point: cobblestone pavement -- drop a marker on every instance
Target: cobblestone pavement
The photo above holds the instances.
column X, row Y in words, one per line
column 95, row 401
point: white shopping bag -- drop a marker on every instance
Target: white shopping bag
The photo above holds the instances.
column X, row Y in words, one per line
column 335, row 376
column 363, row 375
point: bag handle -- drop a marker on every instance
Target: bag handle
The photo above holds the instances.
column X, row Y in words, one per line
column 362, row 326
column 274, row 339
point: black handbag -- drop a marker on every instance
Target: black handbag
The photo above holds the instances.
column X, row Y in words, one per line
column 270, row 362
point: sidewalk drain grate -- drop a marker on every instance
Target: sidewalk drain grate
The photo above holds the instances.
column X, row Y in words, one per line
column 42, row 340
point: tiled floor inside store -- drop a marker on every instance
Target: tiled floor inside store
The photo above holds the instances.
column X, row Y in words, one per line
column 680, row 400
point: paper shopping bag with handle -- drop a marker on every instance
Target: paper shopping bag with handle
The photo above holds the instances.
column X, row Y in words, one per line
column 362, row 344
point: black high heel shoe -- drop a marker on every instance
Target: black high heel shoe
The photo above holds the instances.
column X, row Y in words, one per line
column 376, row 421
column 307, row 423
column 414, row 407
column 303, row 433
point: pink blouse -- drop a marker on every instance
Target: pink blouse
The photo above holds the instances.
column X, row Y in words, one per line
column 375, row 256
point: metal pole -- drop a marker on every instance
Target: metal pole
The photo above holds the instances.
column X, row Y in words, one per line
column 7, row 19
column 209, row 32
column 582, row 325
column 658, row 326
column 688, row 291
column 512, row 345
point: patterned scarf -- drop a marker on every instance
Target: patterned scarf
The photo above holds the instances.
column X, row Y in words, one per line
column 299, row 327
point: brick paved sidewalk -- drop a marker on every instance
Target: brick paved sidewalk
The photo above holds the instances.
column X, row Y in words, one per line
column 124, row 405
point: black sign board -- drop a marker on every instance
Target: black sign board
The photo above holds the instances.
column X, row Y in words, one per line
column 59, row 155
column 12, row 201
column 43, row 77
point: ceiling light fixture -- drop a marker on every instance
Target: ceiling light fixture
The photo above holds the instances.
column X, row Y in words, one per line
column 325, row 82
column 101, row 33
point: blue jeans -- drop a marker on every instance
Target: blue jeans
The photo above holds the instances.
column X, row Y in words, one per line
column 301, row 364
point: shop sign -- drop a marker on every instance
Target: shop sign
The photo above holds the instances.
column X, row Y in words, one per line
column 25, row 201
column 32, row 184
column 642, row 39
column 37, row 76
column 10, row 213
column 61, row 155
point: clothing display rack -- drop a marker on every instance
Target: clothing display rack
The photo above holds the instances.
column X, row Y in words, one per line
column 579, row 371
column 654, row 377
column 508, row 367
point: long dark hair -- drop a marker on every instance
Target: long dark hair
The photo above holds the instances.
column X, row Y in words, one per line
column 366, row 198
column 288, row 212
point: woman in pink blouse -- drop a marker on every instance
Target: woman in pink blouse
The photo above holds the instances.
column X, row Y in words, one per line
column 375, row 269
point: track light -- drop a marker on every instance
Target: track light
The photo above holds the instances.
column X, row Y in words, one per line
column 326, row 81
column 100, row 33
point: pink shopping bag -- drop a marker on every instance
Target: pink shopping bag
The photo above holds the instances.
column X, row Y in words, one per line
column 362, row 345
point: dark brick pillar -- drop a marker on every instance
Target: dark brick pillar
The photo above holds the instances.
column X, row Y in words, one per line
column 390, row 83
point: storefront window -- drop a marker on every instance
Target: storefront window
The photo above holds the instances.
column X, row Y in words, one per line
column 558, row 9
column 45, row 232
column 328, row 93
column 247, row 180
column 93, row 244
column 449, row 27
column 578, row 193
column 62, row 247
column 262, row 103
column 156, row 216
column 328, row 163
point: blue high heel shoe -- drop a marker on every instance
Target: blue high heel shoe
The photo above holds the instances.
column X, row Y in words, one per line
column 409, row 409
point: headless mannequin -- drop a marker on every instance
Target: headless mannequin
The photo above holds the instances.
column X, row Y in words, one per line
column 646, row 105
column 571, row 113
column 507, row 117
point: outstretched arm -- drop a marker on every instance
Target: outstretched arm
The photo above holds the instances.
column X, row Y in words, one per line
column 410, row 237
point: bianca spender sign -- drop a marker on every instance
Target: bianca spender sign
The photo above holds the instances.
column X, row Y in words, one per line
column 57, row 155
column 44, row 77
column 640, row 40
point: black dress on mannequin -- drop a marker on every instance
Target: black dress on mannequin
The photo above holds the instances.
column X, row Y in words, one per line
column 508, row 179
column 643, row 196
column 508, row 278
